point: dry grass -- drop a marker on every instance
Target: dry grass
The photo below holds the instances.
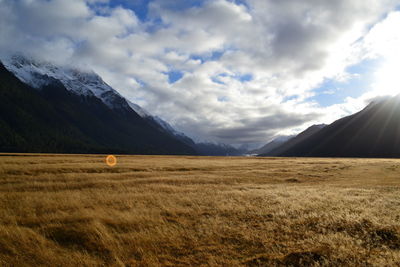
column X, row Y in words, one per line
column 73, row 210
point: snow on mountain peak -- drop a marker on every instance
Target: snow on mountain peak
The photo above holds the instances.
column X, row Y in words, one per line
column 38, row 74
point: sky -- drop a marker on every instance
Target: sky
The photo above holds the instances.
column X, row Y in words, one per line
column 236, row 72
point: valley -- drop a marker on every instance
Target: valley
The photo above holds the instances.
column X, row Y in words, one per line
column 75, row 210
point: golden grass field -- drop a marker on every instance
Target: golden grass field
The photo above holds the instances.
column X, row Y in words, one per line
column 74, row 210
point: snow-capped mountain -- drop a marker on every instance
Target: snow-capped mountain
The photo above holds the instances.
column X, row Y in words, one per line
column 85, row 83
column 49, row 108
column 37, row 74
column 82, row 82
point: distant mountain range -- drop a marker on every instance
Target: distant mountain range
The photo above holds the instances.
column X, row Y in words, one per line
column 275, row 143
column 290, row 142
column 47, row 108
column 372, row 132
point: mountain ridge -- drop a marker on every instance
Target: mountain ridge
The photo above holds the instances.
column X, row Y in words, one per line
column 54, row 119
column 371, row 132
column 277, row 151
column 275, row 143
column 87, row 84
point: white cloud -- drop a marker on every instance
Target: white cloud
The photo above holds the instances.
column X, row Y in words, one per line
column 287, row 47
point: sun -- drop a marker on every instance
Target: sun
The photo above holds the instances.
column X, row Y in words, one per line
column 387, row 78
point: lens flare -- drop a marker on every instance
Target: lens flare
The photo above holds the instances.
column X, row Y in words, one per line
column 111, row 160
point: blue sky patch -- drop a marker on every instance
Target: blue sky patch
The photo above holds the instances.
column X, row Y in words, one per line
column 289, row 98
column 222, row 99
column 334, row 92
column 216, row 79
column 245, row 78
column 214, row 56
column 140, row 7
column 174, row 76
